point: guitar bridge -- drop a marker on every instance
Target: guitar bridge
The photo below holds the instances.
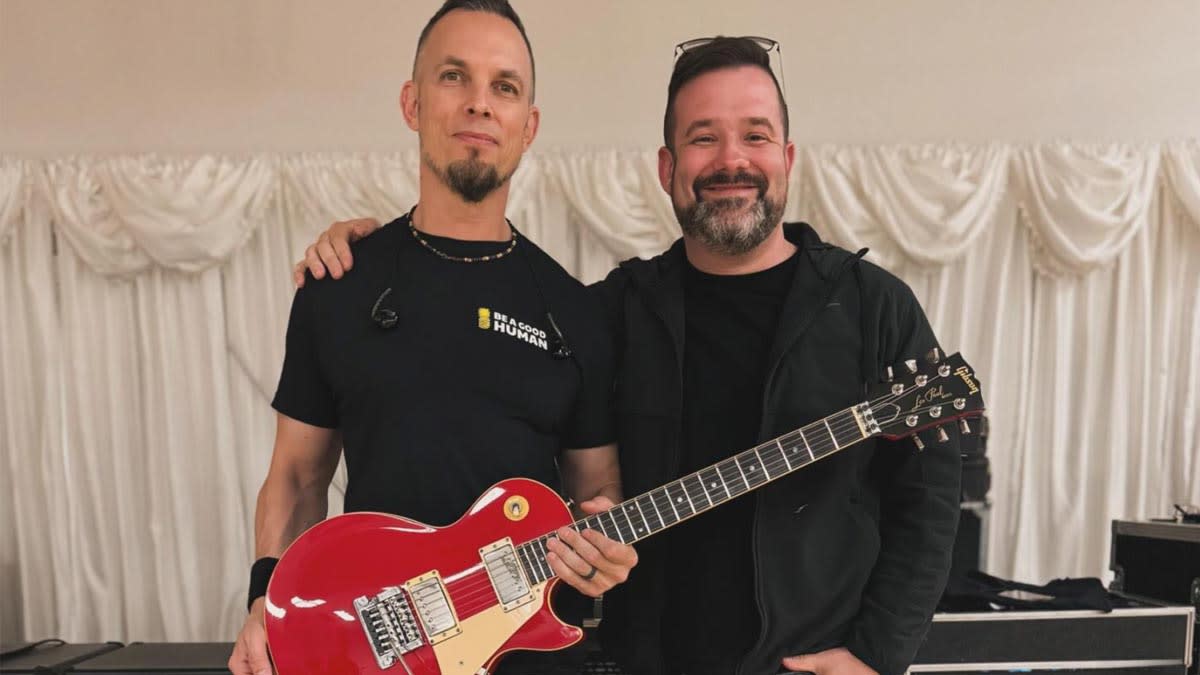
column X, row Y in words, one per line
column 390, row 625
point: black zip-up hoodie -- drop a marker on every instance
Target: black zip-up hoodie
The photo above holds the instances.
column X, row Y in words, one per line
column 852, row 551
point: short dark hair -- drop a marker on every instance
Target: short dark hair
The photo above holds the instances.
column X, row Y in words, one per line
column 498, row 7
column 721, row 52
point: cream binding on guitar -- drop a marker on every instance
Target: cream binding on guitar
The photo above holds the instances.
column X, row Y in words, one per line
column 374, row 593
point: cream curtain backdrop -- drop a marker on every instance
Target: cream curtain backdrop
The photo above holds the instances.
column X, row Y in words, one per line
column 146, row 299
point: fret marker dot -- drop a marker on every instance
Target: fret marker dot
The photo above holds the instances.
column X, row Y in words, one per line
column 752, row 467
column 679, row 500
column 712, row 484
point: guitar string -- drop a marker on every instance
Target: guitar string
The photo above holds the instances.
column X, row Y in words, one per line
column 654, row 496
column 479, row 584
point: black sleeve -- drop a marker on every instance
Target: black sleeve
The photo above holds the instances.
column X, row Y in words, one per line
column 608, row 294
column 304, row 392
column 592, row 423
column 919, row 509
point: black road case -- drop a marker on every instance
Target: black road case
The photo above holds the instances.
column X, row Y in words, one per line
column 1145, row 639
column 48, row 655
column 1159, row 560
column 175, row 658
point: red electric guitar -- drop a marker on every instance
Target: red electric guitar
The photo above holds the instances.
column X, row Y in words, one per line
column 374, row 593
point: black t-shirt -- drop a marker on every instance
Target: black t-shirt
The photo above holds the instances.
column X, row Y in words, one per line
column 465, row 390
column 729, row 324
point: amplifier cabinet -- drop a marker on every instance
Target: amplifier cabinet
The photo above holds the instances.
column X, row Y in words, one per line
column 1159, row 560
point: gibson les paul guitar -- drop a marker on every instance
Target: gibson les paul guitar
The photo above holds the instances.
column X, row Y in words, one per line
column 374, row 593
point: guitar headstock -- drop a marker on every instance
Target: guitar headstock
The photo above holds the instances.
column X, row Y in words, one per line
column 926, row 393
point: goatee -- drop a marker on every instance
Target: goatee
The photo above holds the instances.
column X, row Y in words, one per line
column 730, row 225
column 469, row 178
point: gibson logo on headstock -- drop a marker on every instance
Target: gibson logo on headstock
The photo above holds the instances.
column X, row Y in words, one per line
column 965, row 374
column 931, row 395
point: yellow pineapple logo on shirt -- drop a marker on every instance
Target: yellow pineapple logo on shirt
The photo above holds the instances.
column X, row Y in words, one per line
column 485, row 318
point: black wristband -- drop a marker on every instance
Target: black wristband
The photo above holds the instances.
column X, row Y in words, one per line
column 260, row 576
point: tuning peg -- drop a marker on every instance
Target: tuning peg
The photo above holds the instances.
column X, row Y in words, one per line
column 897, row 389
column 921, row 380
column 911, row 364
column 934, row 355
column 960, row 403
column 942, row 436
column 944, row 370
column 964, row 427
column 918, row 442
column 935, row 411
column 891, row 374
column 912, row 420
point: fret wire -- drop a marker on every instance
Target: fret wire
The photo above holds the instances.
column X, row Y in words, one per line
column 624, row 509
column 763, row 464
column 539, row 564
column 604, row 527
column 645, row 523
column 808, row 447
column 688, row 493
column 536, row 565
column 654, row 502
column 671, row 502
column 829, row 447
column 770, row 466
column 716, row 469
column 708, row 502
column 728, row 494
column 783, row 455
column 790, row 449
column 595, row 522
column 743, row 473
column 793, row 448
column 523, row 552
column 835, row 443
column 819, row 449
column 633, row 528
column 750, row 468
column 615, row 525
column 545, row 552
column 541, row 543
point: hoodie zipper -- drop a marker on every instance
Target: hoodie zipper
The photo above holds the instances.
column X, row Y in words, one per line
column 830, row 286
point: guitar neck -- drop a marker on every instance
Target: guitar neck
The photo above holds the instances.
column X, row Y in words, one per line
column 654, row 511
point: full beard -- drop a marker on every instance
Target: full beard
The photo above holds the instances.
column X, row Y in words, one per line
column 730, row 226
column 469, row 178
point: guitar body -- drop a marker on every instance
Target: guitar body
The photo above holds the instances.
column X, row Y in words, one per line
column 373, row 593
column 440, row 594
